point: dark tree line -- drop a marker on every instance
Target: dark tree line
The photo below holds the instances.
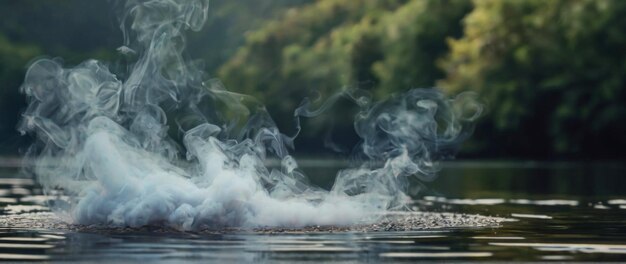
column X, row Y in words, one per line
column 552, row 73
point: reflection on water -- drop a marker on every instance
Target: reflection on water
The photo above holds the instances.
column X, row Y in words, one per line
column 564, row 212
column 584, row 248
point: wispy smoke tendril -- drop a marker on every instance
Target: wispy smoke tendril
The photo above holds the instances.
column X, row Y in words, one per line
column 109, row 142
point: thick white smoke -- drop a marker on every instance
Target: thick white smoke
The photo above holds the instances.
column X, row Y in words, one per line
column 107, row 140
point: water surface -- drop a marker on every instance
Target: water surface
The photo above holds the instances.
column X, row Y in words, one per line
column 563, row 211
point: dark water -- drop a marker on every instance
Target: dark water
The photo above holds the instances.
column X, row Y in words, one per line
column 564, row 211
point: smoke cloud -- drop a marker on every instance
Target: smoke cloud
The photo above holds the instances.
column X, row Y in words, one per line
column 109, row 142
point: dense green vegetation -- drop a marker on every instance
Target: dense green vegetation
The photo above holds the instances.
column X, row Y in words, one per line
column 552, row 73
column 380, row 46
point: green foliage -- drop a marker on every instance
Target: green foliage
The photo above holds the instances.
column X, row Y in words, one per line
column 382, row 46
column 308, row 49
column 413, row 40
column 228, row 23
column 333, row 43
column 552, row 73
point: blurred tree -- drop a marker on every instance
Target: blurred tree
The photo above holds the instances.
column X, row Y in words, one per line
column 228, row 23
column 414, row 38
column 307, row 49
column 300, row 52
column 13, row 58
column 72, row 29
column 552, row 72
column 380, row 46
column 76, row 30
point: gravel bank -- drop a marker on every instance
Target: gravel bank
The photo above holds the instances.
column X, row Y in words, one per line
column 411, row 221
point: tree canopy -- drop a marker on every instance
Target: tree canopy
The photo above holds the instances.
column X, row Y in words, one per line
column 551, row 73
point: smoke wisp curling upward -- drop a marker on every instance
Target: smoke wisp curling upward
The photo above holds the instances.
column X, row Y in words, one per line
column 105, row 140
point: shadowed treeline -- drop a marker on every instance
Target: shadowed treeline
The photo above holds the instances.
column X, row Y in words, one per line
column 551, row 73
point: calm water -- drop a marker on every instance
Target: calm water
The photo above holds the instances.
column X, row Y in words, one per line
column 564, row 211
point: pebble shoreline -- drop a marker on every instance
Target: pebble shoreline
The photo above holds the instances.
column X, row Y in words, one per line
column 413, row 221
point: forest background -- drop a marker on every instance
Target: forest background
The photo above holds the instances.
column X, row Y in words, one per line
column 552, row 74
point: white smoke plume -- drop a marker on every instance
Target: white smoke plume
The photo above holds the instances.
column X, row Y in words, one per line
column 106, row 140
